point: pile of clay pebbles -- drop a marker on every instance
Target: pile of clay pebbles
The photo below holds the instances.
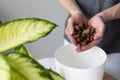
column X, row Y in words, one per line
column 83, row 34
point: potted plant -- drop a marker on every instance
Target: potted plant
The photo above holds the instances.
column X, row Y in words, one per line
column 19, row 64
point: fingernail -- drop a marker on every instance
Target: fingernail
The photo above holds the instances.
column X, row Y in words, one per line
column 78, row 50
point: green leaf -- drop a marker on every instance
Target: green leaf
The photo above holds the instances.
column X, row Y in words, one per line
column 55, row 75
column 5, row 70
column 0, row 23
column 22, row 49
column 17, row 76
column 20, row 31
column 26, row 68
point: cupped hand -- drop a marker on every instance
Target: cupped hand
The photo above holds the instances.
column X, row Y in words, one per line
column 99, row 26
column 75, row 18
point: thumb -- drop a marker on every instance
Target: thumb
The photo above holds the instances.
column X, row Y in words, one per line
column 70, row 26
column 97, row 36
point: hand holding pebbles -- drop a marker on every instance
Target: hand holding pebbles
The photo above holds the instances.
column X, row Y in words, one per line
column 83, row 34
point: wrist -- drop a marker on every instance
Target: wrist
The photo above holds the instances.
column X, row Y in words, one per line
column 77, row 12
column 111, row 13
column 79, row 17
column 103, row 17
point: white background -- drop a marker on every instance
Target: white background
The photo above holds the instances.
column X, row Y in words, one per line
column 46, row 9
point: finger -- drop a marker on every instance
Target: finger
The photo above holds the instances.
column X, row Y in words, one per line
column 72, row 40
column 70, row 26
column 90, row 45
column 78, row 48
column 98, row 35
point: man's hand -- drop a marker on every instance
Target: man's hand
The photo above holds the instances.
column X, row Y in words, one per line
column 76, row 18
